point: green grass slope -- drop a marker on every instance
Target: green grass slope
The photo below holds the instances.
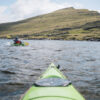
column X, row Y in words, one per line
column 65, row 24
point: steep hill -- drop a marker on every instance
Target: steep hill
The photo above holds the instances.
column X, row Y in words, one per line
column 66, row 24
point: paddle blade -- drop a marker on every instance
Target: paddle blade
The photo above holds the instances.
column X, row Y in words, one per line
column 26, row 43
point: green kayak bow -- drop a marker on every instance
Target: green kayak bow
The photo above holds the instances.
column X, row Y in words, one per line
column 52, row 85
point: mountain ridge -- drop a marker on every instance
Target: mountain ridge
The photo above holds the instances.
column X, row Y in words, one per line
column 65, row 24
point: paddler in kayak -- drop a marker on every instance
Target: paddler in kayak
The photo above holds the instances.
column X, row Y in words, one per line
column 17, row 41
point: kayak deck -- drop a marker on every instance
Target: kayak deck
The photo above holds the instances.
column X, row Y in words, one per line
column 52, row 71
column 53, row 93
column 18, row 45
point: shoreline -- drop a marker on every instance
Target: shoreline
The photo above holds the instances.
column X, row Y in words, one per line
column 98, row 39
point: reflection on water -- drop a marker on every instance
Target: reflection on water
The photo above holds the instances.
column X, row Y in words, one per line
column 21, row 66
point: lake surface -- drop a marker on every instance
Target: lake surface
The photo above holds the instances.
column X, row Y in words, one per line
column 21, row 66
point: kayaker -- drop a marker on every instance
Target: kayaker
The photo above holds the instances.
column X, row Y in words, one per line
column 17, row 41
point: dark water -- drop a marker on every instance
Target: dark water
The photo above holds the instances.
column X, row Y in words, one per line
column 21, row 66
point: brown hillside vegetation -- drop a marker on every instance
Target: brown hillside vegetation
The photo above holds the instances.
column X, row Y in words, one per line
column 65, row 24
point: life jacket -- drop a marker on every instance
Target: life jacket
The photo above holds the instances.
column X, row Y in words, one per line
column 18, row 42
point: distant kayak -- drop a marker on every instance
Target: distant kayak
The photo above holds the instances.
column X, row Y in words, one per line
column 52, row 85
column 22, row 44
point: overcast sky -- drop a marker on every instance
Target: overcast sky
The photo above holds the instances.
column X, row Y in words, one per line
column 14, row 10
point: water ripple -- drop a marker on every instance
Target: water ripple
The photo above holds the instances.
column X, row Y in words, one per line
column 21, row 66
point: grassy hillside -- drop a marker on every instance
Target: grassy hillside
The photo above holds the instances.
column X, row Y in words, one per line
column 66, row 24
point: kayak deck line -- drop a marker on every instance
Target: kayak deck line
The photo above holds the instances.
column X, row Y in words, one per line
column 53, row 97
